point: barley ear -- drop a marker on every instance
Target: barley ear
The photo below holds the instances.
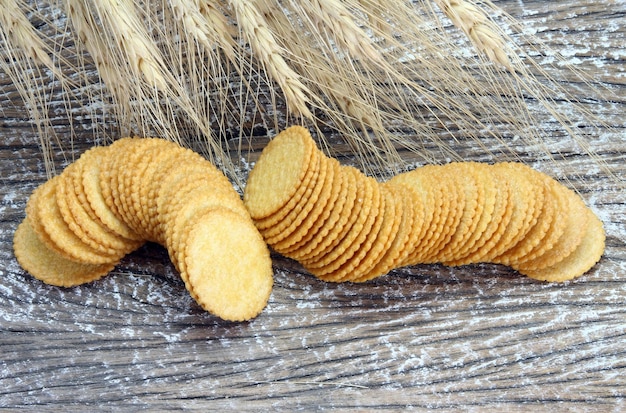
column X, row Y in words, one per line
column 263, row 43
column 481, row 31
column 20, row 32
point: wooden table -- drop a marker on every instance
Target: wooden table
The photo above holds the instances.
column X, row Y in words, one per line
column 427, row 337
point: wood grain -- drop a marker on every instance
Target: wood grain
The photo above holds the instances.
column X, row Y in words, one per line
column 471, row 338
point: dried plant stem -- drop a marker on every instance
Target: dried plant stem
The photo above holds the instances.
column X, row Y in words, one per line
column 255, row 30
column 386, row 75
column 333, row 18
column 20, row 33
column 477, row 26
column 140, row 51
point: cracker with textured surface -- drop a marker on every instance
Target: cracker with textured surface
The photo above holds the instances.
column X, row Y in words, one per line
column 358, row 217
column 314, row 222
column 46, row 265
column 341, row 218
column 299, row 206
column 489, row 218
column 526, row 202
column 548, row 211
column 92, row 179
column 279, row 172
column 64, row 241
column 228, row 265
column 575, row 224
column 581, row 260
column 337, row 214
column 369, row 267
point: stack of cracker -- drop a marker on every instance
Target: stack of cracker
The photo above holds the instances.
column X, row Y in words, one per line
column 80, row 223
column 344, row 226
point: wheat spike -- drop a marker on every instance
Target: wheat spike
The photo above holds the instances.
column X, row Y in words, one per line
column 477, row 26
column 140, row 51
column 385, row 75
column 255, row 30
column 20, row 33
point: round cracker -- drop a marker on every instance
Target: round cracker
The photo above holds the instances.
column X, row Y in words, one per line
column 548, row 212
column 402, row 236
column 367, row 222
column 503, row 213
column 526, row 202
column 228, row 265
column 279, row 171
column 80, row 222
column 490, row 218
column 575, row 220
column 584, row 257
column 46, row 265
column 360, row 213
column 452, row 206
column 93, row 175
column 473, row 186
column 299, row 206
column 428, row 199
column 358, row 254
column 329, row 198
column 340, row 220
column 317, row 204
column 64, row 241
column 368, row 267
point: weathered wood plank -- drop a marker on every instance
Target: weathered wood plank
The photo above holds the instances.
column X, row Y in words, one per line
column 428, row 337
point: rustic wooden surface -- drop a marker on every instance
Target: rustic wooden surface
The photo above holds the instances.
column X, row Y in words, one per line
column 427, row 337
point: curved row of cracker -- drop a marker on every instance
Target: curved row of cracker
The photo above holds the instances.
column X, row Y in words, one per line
column 80, row 223
column 344, row 226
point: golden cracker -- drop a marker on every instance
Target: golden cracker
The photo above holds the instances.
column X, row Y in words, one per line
column 92, row 178
column 526, row 201
column 337, row 215
column 81, row 224
column 575, row 220
column 317, row 203
column 131, row 165
column 584, row 257
column 299, row 206
column 448, row 220
column 301, row 211
column 318, row 217
column 64, row 241
column 197, row 200
column 490, row 217
column 503, row 213
column 358, row 254
column 46, row 265
column 109, row 176
column 180, row 171
column 392, row 218
column 347, row 217
column 428, row 199
column 272, row 224
column 404, row 235
column 548, row 212
column 474, row 188
column 278, row 172
column 366, row 211
column 228, row 265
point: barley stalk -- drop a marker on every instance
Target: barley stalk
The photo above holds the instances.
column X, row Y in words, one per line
column 20, row 33
column 140, row 51
column 255, row 30
column 477, row 26
column 206, row 24
column 333, row 17
column 382, row 73
column 85, row 29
